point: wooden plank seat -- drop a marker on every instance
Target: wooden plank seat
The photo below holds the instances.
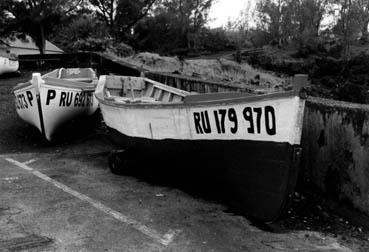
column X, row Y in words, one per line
column 138, row 89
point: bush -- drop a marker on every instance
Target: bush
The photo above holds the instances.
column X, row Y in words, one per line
column 90, row 44
column 345, row 80
column 121, row 49
column 259, row 38
column 215, row 40
column 320, row 47
column 352, row 92
column 83, row 34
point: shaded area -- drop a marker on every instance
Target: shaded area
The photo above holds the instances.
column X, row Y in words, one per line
column 311, row 210
column 257, row 176
column 307, row 210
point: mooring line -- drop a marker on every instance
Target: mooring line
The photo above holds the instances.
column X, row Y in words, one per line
column 165, row 239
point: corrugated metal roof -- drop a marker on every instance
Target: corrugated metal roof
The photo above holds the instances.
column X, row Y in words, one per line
column 29, row 44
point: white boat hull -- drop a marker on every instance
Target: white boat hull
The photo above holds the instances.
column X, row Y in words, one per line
column 229, row 116
column 8, row 65
column 47, row 106
column 274, row 120
column 251, row 142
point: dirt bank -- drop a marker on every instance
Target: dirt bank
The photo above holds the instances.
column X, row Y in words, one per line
column 223, row 70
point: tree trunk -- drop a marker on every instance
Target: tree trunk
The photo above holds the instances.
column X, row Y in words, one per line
column 364, row 32
column 40, row 39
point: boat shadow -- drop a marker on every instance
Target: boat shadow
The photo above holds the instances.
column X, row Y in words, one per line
column 78, row 130
column 201, row 178
column 10, row 75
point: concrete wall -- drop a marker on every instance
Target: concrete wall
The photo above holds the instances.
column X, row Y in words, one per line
column 336, row 150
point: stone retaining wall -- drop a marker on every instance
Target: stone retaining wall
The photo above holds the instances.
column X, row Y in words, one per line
column 336, row 150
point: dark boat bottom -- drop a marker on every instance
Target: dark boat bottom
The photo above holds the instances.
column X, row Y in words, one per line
column 255, row 178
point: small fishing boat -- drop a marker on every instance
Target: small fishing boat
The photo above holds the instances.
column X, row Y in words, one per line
column 8, row 63
column 55, row 98
column 254, row 139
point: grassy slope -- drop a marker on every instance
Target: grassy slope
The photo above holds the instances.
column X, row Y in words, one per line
column 220, row 69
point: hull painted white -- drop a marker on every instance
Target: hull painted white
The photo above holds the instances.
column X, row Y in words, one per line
column 251, row 142
column 7, row 65
column 275, row 120
column 56, row 106
column 27, row 107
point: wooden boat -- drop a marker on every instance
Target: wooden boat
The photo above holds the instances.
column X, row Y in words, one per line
column 254, row 139
column 8, row 64
column 50, row 100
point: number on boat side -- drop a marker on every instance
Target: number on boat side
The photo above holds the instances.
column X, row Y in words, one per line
column 68, row 99
column 269, row 116
column 222, row 117
column 21, row 101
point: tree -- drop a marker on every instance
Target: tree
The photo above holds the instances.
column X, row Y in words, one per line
column 192, row 14
column 238, row 30
column 347, row 27
column 36, row 17
column 310, row 14
column 187, row 18
column 276, row 17
column 107, row 10
column 83, row 33
column 122, row 15
column 363, row 18
column 174, row 26
column 292, row 19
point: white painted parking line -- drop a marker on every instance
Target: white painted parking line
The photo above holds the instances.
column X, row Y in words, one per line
column 30, row 161
column 165, row 239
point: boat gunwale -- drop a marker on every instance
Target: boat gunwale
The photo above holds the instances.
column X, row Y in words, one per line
column 86, row 87
column 229, row 101
column 69, row 83
column 22, row 85
column 78, row 89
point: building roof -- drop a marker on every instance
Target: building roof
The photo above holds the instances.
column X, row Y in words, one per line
column 28, row 43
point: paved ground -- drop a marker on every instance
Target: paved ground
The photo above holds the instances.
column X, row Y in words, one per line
column 71, row 202
column 61, row 196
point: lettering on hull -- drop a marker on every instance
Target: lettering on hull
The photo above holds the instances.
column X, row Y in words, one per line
column 258, row 120
column 68, row 99
column 24, row 100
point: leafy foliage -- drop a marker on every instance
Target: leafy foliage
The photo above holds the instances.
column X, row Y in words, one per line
column 175, row 24
column 36, row 17
column 83, row 34
column 121, row 15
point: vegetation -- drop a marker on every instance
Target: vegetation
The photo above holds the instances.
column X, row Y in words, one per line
column 180, row 26
column 159, row 25
column 306, row 30
column 37, row 18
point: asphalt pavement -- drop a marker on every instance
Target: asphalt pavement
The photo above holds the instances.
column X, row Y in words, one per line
column 72, row 202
